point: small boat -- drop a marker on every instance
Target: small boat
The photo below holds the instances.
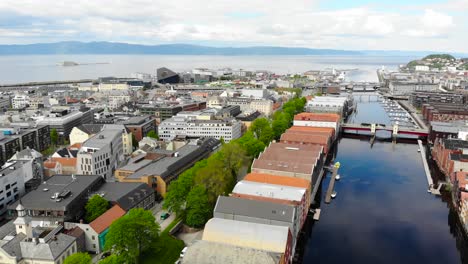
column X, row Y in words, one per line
column 419, row 150
column 337, row 177
column 333, row 195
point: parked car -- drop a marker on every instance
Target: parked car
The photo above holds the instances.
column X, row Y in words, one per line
column 164, row 216
column 183, row 252
column 106, row 254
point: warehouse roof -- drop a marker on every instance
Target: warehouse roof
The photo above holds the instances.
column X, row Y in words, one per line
column 277, row 180
column 322, row 117
column 269, row 190
column 255, row 209
column 244, row 234
column 201, row 252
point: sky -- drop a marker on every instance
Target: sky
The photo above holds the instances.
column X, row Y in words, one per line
column 426, row 25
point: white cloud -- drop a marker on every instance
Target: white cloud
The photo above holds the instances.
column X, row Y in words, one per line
column 286, row 23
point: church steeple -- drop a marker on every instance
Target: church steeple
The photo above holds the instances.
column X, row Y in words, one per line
column 23, row 221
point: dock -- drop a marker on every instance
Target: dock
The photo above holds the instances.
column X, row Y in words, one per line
column 426, row 166
column 331, row 186
column 317, row 214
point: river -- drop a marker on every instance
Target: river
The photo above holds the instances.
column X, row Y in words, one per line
column 383, row 212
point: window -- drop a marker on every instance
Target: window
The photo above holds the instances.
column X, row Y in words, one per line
column 94, row 245
column 92, row 237
column 8, row 194
column 7, row 187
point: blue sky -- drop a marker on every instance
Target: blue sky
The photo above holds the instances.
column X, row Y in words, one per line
column 438, row 25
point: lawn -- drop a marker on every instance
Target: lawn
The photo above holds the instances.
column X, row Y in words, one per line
column 165, row 250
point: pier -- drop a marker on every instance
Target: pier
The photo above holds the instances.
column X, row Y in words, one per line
column 331, row 186
column 433, row 190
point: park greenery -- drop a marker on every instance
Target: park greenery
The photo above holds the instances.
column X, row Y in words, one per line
column 95, row 207
column 131, row 235
column 54, row 136
column 193, row 195
column 152, row 134
column 78, row 258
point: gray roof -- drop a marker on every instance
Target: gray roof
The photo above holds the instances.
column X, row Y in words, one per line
column 46, row 251
column 137, row 120
column 102, row 139
column 7, row 229
column 91, row 128
column 166, row 166
column 41, row 200
column 254, row 209
column 126, row 194
column 136, row 163
column 206, row 252
column 13, row 248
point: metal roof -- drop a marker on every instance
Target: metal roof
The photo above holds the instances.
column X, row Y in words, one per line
column 244, row 234
column 255, row 209
column 269, row 191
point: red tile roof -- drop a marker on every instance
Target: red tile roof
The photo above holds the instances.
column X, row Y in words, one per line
column 323, row 117
column 105, row 220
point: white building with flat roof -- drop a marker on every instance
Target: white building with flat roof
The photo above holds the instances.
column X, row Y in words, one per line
column 192, row 127
column 101, row 154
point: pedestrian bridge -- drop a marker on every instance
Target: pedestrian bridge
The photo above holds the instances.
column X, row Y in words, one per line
column 395, row 129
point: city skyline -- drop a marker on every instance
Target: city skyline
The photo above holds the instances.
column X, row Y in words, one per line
column 349, row 25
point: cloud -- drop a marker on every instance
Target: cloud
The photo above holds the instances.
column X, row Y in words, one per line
column 255, row 22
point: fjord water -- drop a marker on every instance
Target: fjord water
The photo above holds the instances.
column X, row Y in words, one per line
column 28, row 68
column 383, row 213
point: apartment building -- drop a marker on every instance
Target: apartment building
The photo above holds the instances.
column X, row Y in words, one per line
column 101, row 154
column 228, row 129
column 140, row 126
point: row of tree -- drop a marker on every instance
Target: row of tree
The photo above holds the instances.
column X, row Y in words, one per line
column 193, row 195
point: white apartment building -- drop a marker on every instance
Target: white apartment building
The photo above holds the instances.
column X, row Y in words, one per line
column 327, row 104
column 255, row 93
column 101, row 154
column 20, row 101
column 228, row 129
column 13, row 177
column 264, row 106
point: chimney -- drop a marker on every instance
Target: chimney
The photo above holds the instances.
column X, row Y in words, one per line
column 81, row 221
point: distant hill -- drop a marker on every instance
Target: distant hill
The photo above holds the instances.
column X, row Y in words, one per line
column 169, row 49
column 76, row 47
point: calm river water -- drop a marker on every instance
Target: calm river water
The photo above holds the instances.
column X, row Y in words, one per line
column 383, row 213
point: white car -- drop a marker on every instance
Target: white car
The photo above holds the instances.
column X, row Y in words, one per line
column 183, row 252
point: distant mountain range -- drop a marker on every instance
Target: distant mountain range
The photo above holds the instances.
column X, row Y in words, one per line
column 75, row 47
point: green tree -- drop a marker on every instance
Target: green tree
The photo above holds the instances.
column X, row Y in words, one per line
column 78, row 258
column 113, row 259
column 252, row 146
column 95, row 207
column 233, row 156
column 134, row 142
column 178, row 189
column 54, row 136
column 261, row 128
column 132, row 234
column 152, row 134
column 280, row 124
column 198, row 207
column 215, row 178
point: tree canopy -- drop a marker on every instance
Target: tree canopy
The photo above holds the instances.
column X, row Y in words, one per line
column 78, row 258
column 132, row 234
column 198, row 207
column 261, row 128
column 152, row 134
column 54, row 136
column 95, row 207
